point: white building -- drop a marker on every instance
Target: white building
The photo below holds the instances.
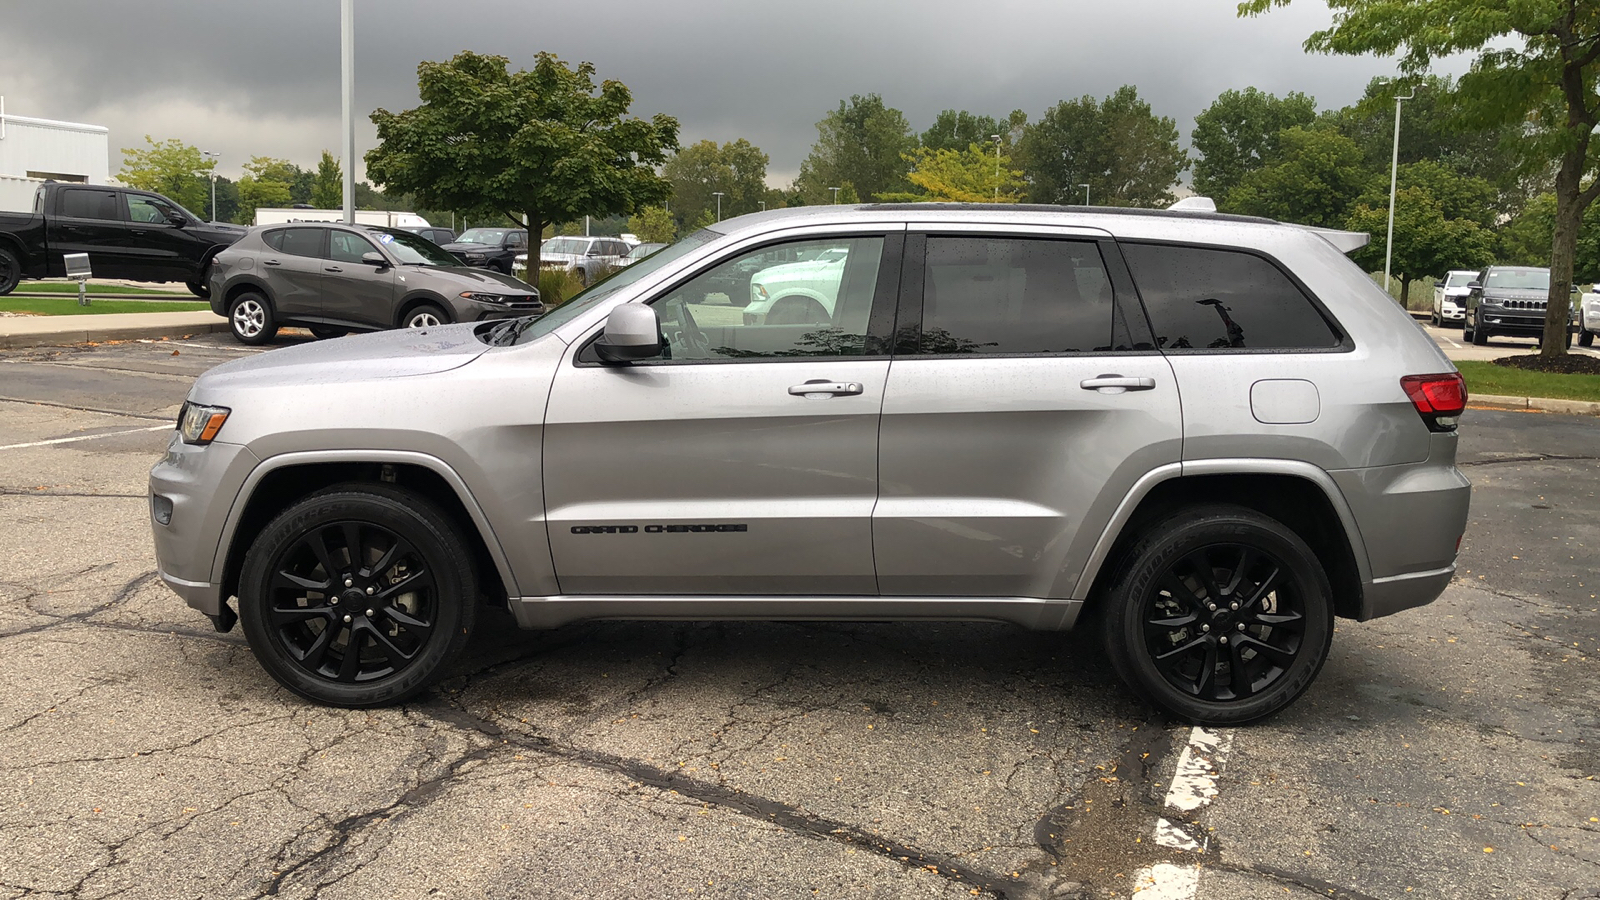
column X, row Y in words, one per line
column 35, row 150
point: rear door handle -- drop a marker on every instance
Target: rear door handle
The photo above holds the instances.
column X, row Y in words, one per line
column 332, row 269
column 823, row 388
column 1116, row 384
column 270, row 262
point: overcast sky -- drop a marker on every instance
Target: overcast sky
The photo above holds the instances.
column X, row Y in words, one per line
column 262, row 79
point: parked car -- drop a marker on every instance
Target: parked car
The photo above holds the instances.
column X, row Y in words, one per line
column 335, row 278
column 1214, row 433
column 639, row 251
column 1589, row 317
column 127, row 234
column 440, row 236
column 586, row 257
column 1507, row 300
column 797, row 293
column 489, row 248
column 1450, row 296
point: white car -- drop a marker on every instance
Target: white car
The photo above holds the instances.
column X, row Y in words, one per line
column 797, row 293
column 1450, row 297
column 1589, row 317
column 586, row 257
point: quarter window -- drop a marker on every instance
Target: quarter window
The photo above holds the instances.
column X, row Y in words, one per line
column 984, row 295
column 1205, row 299
column 802, row 299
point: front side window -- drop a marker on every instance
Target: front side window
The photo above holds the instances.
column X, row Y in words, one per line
column 346, row 247
column 1459, row 279
column 148, row 210
column 1200, row 298
column 489, row 237
column 576, row 246
column 800, row 299
column 89, row 204
column 985, row 295
column 515, row 239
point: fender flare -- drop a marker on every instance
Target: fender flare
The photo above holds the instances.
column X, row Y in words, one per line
column 414, row 299
column 434, row 464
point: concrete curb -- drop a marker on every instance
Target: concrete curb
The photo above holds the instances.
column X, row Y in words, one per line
column 60, row 331
column 1536, row 404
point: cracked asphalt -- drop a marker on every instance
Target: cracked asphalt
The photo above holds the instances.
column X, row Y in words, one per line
column 1445, row 752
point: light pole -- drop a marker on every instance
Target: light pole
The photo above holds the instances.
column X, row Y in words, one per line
column 347, row 83
column 1085, row 194
column 996, row 139
column 214, row 156
column 1394, row 169
column 835, row 194
column 719, row 196
column 763, row 205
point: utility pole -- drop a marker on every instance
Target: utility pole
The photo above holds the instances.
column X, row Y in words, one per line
column 1085, row 194
column 1394, row 170
column 719, row 195
column 347, row 54
column 996, row 139
column 835, row 194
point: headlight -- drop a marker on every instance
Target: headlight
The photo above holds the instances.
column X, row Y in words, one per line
column 199, row 424
column 482, row 298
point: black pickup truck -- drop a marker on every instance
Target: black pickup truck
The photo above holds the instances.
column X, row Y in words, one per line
column 127, row 234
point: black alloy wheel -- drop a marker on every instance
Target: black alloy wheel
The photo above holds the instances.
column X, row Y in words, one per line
column 10, row 272
column 1224, row 616
column 358, row 596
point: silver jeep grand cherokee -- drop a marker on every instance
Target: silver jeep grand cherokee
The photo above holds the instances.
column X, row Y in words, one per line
column 1208, row 435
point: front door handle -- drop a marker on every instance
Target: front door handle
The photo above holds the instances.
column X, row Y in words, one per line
column 332, row 269
column 821, row 387
column 270, row 262
column 1116, row 384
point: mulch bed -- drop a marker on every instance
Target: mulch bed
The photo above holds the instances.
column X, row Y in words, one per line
column 1569, row 364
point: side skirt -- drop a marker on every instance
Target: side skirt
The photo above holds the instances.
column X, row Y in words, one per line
column 1033, row 614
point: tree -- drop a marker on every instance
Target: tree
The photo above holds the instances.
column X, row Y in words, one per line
column 1125, row 153
column 1311, row 180
column 1427, row 240
column 737, row 169
column 961, row 176
column 267, row 183
column 1537, row 64
column 956, row 130
column 327, row 185
column 653, row 225
column 171, row 168
column 861, row 144
column 536, row 147
column 1238, row 133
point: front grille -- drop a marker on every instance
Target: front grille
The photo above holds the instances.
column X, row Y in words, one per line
column 1521, row 304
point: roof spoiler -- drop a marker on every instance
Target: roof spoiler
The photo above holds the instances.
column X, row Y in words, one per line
column 1346, row 241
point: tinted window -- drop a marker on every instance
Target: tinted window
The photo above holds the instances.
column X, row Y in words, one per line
column 801, row 299
column 147, row 209
column 1014, row 295
column 81, row 204
column 300, row 241
column 1204, row 299
column 346, row 247
column 515, row 239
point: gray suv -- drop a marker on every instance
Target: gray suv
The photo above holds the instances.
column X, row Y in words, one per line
column 335, row 279
column 1205, row 435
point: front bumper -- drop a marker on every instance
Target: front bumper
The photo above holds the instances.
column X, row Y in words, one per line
column 193, row 488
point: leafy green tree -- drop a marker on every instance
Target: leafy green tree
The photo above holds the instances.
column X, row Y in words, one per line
column 961, row 176
column 1427, row 240
column 1524, row 239
column 267, row 184
column 1238, row 133
column 653, row 225
column 1311, row 180
column 1125, row 153
column 539, row 146
column 171, row 168
column 738, row 169
column 958, row 129
column 327, row 185
column 862, row 144
column 1537, row 64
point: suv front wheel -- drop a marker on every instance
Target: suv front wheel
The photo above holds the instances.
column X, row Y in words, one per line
column 1221, row 616
column 358, row 596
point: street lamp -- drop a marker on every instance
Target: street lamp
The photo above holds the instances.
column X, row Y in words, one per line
column 1394, row 169
column 835, row 194
column 996, row 139
column 215, row 156
column 1085, row 194
column 719, row 195
column 763, row 205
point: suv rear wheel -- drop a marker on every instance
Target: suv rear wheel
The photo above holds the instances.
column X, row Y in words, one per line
column 358, row 596
column 250, row 316
column 1221, row 616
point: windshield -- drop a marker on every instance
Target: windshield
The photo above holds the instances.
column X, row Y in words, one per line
column 494, row 237
column 578, row 246
column 1460, row 279
column 644, row 250
column 1519, row 279
column 619, row 279
column 412, row 249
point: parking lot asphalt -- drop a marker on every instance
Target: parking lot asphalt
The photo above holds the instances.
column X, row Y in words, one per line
column 1446, row 752
column 1448, row 337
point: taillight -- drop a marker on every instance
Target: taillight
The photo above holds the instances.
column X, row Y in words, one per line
column 1439, row 399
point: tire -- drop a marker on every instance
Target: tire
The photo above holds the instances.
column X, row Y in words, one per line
column 1434, row 320
column 1478, row 337
column 797, row 311
column 1585, row 338
column 425, row 315
column 1248, row 555
column 404, row 639
column 327, row 332
column 200, row 285
column 251, row 319
column 10, row 272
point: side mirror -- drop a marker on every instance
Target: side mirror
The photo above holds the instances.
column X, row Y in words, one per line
column 374, row 258
column 176, row 220
column 1438, row 284
column 633, row 332
column 1474, row 286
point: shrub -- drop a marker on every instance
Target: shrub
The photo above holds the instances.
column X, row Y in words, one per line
column 556, row 286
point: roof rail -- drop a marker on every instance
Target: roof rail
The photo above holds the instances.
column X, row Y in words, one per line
column 1195, row 204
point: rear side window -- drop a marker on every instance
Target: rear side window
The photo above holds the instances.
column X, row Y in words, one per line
column 297, row 241
column 1201, row 298
column 985, row 295
column 88, row 204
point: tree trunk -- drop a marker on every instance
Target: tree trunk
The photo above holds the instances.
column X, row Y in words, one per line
column 1405, row 291
column 535, row 229
column 1563, row 252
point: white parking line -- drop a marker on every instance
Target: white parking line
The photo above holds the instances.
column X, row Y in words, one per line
column 1193, row 787
column 87, row 437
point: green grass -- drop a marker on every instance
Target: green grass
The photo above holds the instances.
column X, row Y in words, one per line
column 1488, row 378
column 71, row 287
column 68, row 306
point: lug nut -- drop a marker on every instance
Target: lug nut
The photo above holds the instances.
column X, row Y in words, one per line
column 372, row 589
column 1205, row 627
column 1212, row 607
column 348, row 581
column 1234, row 605
column 1241, row 626
column 347, row 620
column 1224, row 639
column 369, row 613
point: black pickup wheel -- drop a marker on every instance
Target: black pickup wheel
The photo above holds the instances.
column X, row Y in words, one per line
column 10, row 272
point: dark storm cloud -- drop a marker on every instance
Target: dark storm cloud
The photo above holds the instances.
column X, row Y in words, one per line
column 262, row 78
